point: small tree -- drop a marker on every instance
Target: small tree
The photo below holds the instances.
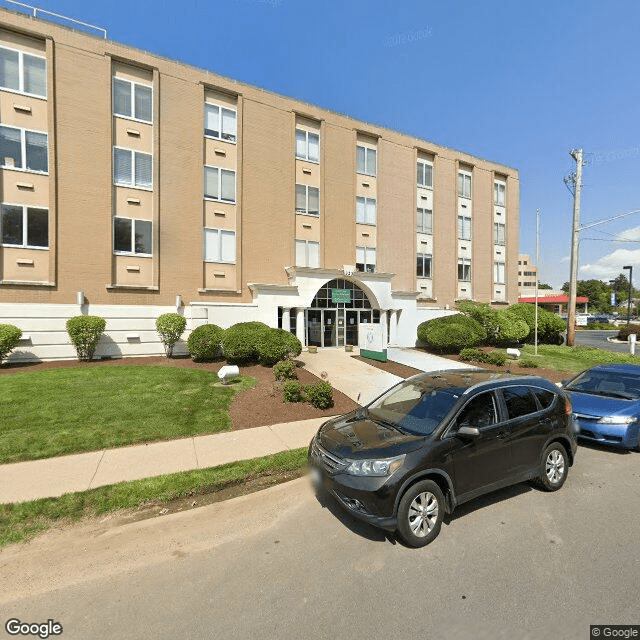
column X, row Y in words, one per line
column 85, row 333
column 170, row 326
column 9, row 338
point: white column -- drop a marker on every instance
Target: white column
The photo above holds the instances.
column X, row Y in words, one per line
column 286, row 318
column 300, row 328
column 383, row 322
column 393, row 328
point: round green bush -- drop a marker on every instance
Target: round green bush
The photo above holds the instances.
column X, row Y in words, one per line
column 550, row 326
column 320, row 395
column 240, row 342
column 170, row 326
column 85, row 333
column 625, row 331
column 527, row 363
column 277, row 344
column 204, row 342
column 9, row 339
column 285, row 370
column 452, row 333
column 500, row 325
column 292, row 391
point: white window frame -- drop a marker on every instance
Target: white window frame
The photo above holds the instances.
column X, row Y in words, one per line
column 132, row 85
column 499, row 189
column 25, row 208
column 307, row 243
column 133, row 251
column 464, row 262
column 221, row 133
column 464, row 224
column 422, row 164
column 306, row 211
column 424, row 257
column 132, row 184
column 23, row 150
column 368, row 251
column 366, row 202
column 367, row 171
column 21, row 90
column 306, row 156
column 219, row 233
column 220, row 198
column 499, row 272
column 464, row 185
column 497, row 226
column 421, row 213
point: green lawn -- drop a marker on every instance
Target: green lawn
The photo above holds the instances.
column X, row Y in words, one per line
column 21, row 521
column 61, row 411
column 574, row 358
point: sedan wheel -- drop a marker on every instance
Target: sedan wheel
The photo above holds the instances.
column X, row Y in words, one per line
column 420, row 513
column 554, row 467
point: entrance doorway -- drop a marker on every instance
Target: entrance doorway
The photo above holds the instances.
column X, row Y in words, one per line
column 334, row 315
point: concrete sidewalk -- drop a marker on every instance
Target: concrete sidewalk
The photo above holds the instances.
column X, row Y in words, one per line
column 53, row 477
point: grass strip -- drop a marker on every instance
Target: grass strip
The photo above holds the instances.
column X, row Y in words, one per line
column 20, row 521
column 62, row 411
column 575, row 358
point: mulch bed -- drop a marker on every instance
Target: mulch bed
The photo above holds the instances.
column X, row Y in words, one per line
column 256, row 407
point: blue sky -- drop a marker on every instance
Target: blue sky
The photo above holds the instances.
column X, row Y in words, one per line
column 520, row 83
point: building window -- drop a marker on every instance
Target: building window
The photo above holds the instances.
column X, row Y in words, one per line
column 499, row 233
column 23, row 226
column 464, row 269
column 132, row 100
column 132, row 236
column 499, row 189
column 219, row 245
column 307, row 200
column 365, row 210
column 23, row 72
column 498, row 272
column 425, row 174
column 425, row 220
column 366, row 160
column 366, row 259
column 220, row 184
column 220, row 122
column 464, row 185
column 307, row 253
column 307, row 145
column 21, row 149
column 132, row 168
column 464, row 228
column 423, row 269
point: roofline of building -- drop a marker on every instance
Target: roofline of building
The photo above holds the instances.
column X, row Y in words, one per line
column 267, row 91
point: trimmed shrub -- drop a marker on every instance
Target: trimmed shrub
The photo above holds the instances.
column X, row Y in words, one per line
column 9, row 338
column 240, row 342
column 320, row 395
column 497, row 358
column 277, row 344
column 625, row 331
column 452, row 333
column 550, row 326
column 85, row 333
column 470, row 354
column 292, row 391
column 285, row 370
column 500, row 325
column 204, row 342
column 170, row 326
column 527, row 363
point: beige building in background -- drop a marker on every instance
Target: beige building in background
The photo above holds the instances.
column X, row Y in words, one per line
column 133, row 185
column 527, row 276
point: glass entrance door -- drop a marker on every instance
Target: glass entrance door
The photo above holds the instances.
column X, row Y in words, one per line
column 314, row 327
column 352, row 327
column 329, row 328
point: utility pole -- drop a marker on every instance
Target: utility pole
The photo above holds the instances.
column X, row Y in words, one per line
column 576, row 154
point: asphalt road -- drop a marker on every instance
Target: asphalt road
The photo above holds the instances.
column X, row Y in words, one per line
column 588, row 338
column 278, row 564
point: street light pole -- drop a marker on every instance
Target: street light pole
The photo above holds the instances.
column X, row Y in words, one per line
column 630, row 289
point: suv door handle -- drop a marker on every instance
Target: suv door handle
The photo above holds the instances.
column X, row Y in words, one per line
column 502, row 435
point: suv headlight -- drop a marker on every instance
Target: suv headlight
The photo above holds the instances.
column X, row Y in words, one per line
column 384, row 467
column 617, row 420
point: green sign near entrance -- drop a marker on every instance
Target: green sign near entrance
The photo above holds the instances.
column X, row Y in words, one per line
column 341, row 295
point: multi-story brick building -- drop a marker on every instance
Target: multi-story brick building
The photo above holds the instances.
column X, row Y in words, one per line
column 133, row 185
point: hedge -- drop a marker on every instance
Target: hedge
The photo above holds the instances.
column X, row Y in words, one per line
column 501, row 325
column 550, row 326
column 85, row 333
column 204, row 342
column 625, row 331
column 240, row 342
column 9, row 339
column 452, row 333
column 277, row 344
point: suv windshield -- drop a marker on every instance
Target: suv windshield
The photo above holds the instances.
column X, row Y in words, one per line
column 415, row 407
column 606, row 383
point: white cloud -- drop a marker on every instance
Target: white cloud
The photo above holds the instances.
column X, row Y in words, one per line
column 609, row 266
column 632, row 235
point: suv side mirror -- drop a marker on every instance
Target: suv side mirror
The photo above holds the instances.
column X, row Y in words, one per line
column 467, row 431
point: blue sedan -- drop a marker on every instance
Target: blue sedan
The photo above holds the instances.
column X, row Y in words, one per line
column 606, row 403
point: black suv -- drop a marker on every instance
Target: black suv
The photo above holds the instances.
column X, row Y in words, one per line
column 439, row 439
